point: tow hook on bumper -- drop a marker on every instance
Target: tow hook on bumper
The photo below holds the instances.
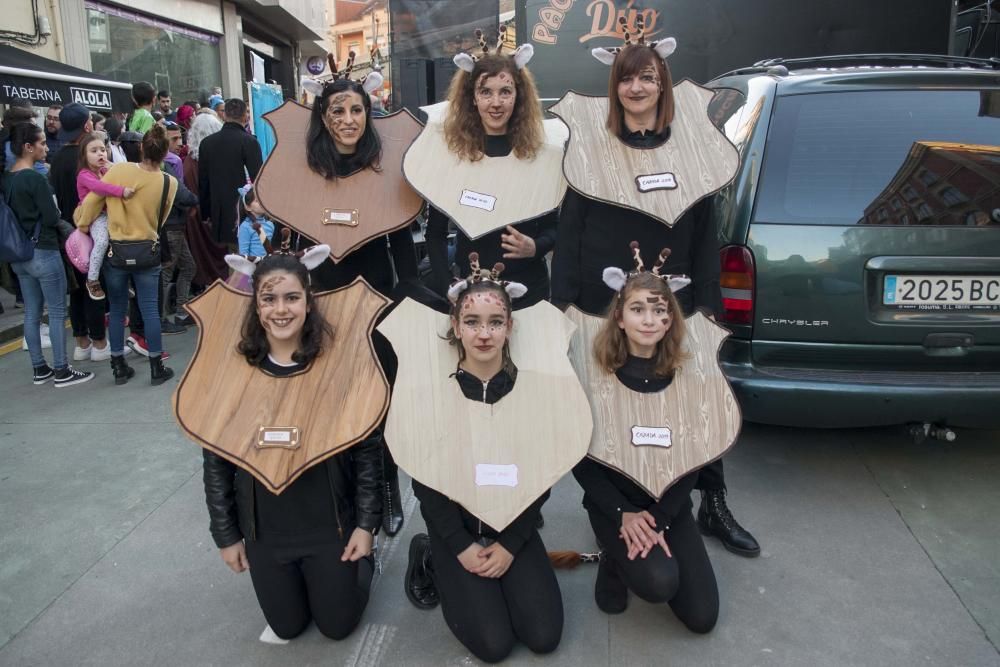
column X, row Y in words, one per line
column 922, row 432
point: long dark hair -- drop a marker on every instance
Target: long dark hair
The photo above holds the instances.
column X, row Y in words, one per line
column 322, row 153
column 21, row 134
column 316, row 331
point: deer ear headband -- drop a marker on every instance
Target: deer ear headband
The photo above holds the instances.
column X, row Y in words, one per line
column 310, row 257
column 370, row 82
column 522, row 54
column 663, row 47
column 478, row 275
column 616, row 278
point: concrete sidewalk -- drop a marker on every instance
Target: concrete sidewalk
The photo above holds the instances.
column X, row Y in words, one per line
column 876, row 551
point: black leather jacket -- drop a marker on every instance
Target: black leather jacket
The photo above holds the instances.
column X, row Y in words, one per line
column 355, row 486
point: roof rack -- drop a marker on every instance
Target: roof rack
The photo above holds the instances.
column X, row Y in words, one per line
column 870, row 60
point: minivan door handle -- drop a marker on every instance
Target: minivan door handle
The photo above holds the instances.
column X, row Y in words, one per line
column 948, row 344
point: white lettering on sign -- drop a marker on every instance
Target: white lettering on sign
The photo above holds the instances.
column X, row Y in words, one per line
column 33, row 94
column 658, row 436
column 478, row 200
column 277, row 436
column 88, row 97
column 491, row 474
column 656, row 182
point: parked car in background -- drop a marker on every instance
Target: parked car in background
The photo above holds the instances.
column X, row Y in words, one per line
column 861, row 241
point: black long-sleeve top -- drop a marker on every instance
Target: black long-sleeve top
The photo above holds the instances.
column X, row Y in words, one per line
column 62, row 177
column 456, row 526
column 29, row 195
column 611, row 492
column 593, row 235
column 531, row 271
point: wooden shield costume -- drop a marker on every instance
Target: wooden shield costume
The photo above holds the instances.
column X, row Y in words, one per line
column 344, row 213
column 490, row 193
column 276, row 428
column 662, row 182
column 494, row 460
column 659, row 437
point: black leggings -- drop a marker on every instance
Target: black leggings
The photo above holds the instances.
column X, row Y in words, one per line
column 85, row 314
column 686, row 581
column 296, row 584
column 488, row 615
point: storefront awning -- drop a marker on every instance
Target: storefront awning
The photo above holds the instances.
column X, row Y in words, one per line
column 45, row 82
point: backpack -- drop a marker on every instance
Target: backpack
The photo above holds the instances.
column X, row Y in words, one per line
column 15, row 245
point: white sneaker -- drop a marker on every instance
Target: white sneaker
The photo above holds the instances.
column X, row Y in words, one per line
column 100, row 355
column 83, row 353
column 44, row 334
column 269, row 637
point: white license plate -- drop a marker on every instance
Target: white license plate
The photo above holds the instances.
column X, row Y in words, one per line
column 942, row 292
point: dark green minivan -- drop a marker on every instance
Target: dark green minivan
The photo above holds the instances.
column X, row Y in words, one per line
column 861, row 241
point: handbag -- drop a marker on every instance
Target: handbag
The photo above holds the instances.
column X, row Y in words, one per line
column 139, row 255
column 15, row 244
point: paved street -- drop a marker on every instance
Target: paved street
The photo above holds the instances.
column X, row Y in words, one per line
column 876, row 551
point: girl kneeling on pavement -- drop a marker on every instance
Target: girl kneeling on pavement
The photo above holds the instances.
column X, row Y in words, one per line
column 495, row 587
column 308, row 549
column 650, row 547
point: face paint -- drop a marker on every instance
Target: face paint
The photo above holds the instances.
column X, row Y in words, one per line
column 645, row 320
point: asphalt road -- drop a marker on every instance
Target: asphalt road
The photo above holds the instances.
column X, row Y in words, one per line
column 876, row 551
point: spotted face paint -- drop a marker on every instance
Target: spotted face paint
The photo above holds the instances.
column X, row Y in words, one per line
column 345, row 119
column 483, row 326
column 639, row 93
column 495, row 98
column 645, row 319
column 281, row 306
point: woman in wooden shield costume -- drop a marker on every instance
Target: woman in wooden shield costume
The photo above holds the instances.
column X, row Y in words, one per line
column 650, row 435
column 488, row 162
column 305, row 535
column 342, row 144
column 666, row 159
column 481, row 463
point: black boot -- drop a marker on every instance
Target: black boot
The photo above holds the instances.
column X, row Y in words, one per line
column 157, row 371
column 392, row 504
column 122, row 371
column 419, row 582
column 610, row 592
column 714, row 518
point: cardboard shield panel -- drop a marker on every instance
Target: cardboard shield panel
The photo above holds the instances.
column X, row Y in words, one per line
column 494, row 460
column 276, row 428
column 662, row 182
column 488, row 194
column 347, row 212
column 657, row 438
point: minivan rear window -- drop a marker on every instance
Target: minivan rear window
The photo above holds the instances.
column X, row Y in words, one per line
column 899, row 157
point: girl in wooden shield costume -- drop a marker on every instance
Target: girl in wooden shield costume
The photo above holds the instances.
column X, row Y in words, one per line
column 489, row 163
column 499, row 430
column 348, row 190
column 662, row 408
column 666, row 160
column 282, row 501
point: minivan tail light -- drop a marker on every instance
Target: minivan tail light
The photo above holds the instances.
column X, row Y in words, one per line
column 736, row 281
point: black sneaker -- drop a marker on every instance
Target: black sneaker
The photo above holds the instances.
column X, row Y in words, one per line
column 168, row 328
column 184, row 320
column 70, row 376
column 43, row 374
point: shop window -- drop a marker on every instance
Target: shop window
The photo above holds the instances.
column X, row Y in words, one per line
column 129, row 47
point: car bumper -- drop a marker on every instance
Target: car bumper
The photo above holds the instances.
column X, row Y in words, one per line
column 809, row 397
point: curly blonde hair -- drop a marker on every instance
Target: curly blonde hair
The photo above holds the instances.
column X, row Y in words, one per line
column 463, row 128
column 611, row 343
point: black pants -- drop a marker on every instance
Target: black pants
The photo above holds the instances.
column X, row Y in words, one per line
column 296, row 584
column 489, row 615
column 686, row 581
column 85, row 314
column 711, row 477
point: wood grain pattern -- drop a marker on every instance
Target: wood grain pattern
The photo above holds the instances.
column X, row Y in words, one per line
column 438, row 436
column 297, row 196
column 699, row 407
column 222, row 400
column 601, row 166
column 524, row 189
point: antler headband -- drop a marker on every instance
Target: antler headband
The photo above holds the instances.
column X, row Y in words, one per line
column 479, row 275
column 663, row 47
column 616, row 278
column 310, row 257
column 369, row 82
column 521, row 56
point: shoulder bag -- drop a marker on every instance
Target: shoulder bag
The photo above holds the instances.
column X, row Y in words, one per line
column 139, row 255
column 15, row 244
